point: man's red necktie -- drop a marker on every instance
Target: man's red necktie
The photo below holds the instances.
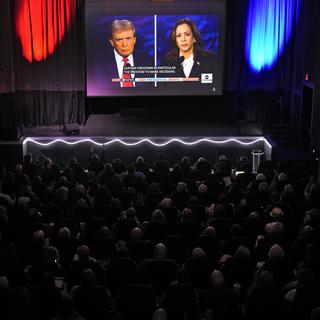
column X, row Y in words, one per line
column 125, row 76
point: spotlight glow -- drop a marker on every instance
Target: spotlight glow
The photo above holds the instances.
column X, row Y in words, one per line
column 269, row 29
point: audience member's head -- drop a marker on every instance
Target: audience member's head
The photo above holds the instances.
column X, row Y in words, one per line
column 104, row 231
column 282, row 176
column 166, row 203
column 23, row 202
column 237, row 230
column 210, row 231
column 202, row 188
column 243, row 252
column 276, row 213
column 185, row 161
column 64, row 232
column 254, row 215
column 139, row 160
column 83, row 253
column 160, row 251
column 261, row 177
column 177, row 169
column 131, row 213
column 182, row 187
column 276, row 252
column 223, row 157
column 306, row 232
column 17, row 169
column 312, row 192
column 115, row 202
column 274, row 228
column 136, row 234
column 50, row 254
column 263, row 187
column 288, row 188
column 160, row 314
column 217, row 279
column 198, row 252
column 187, row 214
column 27, row 158
column 193, row 201
column 108, row 168
column 158, row 215
column 4, row 283
column 201, row 159
column 88, row 278
column 244, row 165
column 312, row 217
column 39, row 236
column 62, row 193
column 80, row 188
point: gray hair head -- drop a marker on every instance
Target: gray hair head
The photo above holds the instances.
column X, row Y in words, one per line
column 121, row 25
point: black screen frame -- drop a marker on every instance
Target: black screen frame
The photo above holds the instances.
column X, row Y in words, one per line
column 115, row 7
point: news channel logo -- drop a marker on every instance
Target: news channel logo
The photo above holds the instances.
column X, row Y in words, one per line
column 206, row 78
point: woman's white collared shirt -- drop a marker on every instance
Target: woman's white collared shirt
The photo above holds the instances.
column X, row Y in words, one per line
column 187, row 65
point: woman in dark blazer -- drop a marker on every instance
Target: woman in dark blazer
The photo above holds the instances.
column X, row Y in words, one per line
column 187, row 55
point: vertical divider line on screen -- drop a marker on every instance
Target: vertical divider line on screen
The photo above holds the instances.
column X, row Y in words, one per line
column 155, row 46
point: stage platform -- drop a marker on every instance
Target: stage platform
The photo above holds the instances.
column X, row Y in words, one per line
column 117, row 125
column 126, row 137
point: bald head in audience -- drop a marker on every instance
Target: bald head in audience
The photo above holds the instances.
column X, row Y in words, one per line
column 160, row 251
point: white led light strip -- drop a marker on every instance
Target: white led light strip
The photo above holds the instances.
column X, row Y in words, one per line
column 149, row 141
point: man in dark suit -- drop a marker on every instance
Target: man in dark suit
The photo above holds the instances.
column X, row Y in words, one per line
column 112, row 66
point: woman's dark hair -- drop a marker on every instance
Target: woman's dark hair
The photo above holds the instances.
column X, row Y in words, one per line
column 198, row 49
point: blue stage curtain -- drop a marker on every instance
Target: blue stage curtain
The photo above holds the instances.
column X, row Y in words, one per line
column 264, row 46
column 269, row 29
column 280, row 77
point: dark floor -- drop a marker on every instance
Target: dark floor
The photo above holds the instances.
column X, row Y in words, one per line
column 115, row 125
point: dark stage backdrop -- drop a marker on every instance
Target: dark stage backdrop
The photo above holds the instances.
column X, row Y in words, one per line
column 46, row 47
column 315, row 72
column 6, row 72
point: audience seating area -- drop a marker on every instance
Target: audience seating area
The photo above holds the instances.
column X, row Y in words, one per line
column 158, row 241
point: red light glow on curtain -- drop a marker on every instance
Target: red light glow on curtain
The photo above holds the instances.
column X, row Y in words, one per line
column 41, row 24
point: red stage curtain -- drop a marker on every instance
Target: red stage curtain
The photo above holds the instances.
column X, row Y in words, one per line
column 41, row 24
column 49, row 60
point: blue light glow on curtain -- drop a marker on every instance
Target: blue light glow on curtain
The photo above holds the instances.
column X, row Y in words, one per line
column 269, row 28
